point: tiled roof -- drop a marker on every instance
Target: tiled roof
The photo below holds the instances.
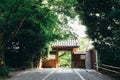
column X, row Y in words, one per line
column 80, row 52
column 66, row 43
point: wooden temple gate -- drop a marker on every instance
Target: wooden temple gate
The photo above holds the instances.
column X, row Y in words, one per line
column 86, row 59
column 68, row 45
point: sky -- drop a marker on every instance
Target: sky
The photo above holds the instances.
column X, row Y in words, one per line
column 78, row 28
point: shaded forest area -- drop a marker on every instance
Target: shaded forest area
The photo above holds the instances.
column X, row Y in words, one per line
column 102, row 20
column 27, row 27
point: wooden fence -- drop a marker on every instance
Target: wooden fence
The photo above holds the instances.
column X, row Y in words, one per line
column 109, row 68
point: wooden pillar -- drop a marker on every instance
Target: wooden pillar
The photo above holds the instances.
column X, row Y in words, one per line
column 56, row 58
column 93, row 58
column 73, row 59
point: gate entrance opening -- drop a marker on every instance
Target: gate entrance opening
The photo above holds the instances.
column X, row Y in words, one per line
column 64, row 59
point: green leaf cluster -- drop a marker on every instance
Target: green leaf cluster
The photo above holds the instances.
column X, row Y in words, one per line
column 102, row 20
column 29, row 26
column 3, row 70
column 64, row 59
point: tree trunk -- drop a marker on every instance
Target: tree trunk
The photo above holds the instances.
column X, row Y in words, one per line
column 37, row 62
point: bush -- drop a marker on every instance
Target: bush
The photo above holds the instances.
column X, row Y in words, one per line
column 28, row 64
column 4, row 71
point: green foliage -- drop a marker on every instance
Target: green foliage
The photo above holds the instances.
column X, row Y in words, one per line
column 103, row 24
column 116, row 38
column 29, row 26
column 85, row 44
column 64, row 59
column 3, row 78
column 4, row 70
column 63, row 7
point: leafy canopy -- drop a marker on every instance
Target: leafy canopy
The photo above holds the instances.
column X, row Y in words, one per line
column 29, row 26
column 102, row 20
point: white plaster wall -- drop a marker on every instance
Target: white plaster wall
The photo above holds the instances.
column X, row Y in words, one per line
column 88, row 60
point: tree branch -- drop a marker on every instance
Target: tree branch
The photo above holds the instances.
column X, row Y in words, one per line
column 13, row 11
column 14, row 33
